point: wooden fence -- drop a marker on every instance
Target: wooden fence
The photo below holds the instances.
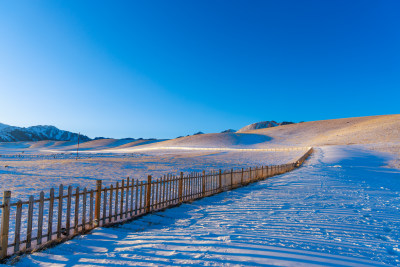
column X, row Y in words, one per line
column 38, row 223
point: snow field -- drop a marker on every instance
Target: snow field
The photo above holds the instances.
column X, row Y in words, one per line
column 52, row 161
column 341, row 208
column 29, row 174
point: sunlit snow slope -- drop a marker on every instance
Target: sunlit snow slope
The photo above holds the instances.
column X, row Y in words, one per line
column 361, row 130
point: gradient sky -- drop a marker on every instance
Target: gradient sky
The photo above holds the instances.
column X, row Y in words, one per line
column 169, row 68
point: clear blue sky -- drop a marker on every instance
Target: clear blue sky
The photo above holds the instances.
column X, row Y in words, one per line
column 168, row 68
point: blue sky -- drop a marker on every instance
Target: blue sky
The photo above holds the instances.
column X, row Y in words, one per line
column 169, row 68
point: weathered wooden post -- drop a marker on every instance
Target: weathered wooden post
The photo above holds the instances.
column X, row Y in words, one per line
column 220, row 180
column 91, row 200
column 148, row 196
column 155, row 194
column 5, row 221
column 76, row 217
column 116, row 202
column 84, row 198
column 142, row 195
column 104, row 208
column 136, row 197
column 231, row 179
column 250, row 174
column 29, row 223
column 40, row 219
column 97, row 204
column 241, row 178
column 204, row 183
column 17, row 237
column 60, row 210
column 127, row 198
column 50, row 218
column 121, row 209
column 180, row 188
column 110, row 207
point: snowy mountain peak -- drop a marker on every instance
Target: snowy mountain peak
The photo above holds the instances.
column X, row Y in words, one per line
column 37, row 133
column 2, row 126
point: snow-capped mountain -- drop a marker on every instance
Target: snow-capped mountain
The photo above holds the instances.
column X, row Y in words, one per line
column 2, row 126
column 263, row 124
column 37, row 133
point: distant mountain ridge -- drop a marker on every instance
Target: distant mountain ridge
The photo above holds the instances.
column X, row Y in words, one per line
column 37, row 133
column 262, row 125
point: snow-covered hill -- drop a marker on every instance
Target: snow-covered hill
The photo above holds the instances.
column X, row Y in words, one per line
column 36, row 133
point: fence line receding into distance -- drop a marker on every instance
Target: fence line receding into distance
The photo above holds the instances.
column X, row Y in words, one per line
column 42, row 222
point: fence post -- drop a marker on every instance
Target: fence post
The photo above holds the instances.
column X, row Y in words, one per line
column 220, row 180
column 40, row 219
column 204, row 183
column 241, row 178
column 231, row 179
column 60, row 210
column 97, row 204
column 17, row 237
column 121, row 209
column 29, row 223
column 148, row 195
column 76, row 215
column 251, row 180
column 180, row 188
column 5, row 220
column 50, row 220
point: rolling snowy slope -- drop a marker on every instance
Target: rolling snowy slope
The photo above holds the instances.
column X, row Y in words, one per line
column 361, row 130
column 215, row 140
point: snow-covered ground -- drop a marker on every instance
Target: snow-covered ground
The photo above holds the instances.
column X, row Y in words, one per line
column 341, row 208
column 28, row 174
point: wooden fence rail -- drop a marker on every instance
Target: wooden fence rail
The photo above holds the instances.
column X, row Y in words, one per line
column 42, row 222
